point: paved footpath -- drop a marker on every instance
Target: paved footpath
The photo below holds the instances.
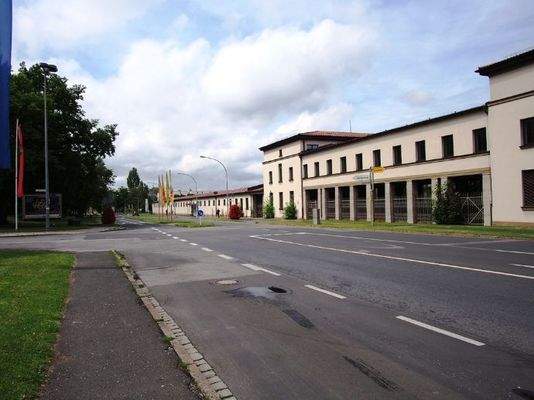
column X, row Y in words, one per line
column 109, row 346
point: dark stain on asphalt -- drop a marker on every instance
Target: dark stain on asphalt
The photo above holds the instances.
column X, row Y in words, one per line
column 256, row 292
column 524, row 393
column 299, row 318
column 372, row 373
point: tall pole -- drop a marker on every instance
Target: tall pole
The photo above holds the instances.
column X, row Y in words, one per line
column 226, row 174
column 47, row 188
column 196, row 187
column 16, row 176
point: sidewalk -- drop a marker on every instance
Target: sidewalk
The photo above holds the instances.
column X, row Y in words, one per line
column 109, row 346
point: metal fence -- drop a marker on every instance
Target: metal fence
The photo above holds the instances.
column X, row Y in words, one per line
column 330, row 209
column 399, row 209
column 310, row 205
column 422, row 209
column 344, row 209
column 360, row 209
column 380, row 209
column 473, row 210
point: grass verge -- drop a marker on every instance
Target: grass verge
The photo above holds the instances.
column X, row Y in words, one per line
column 452, row 230
column 63, row 224
column 182, row 223
column 33, row 289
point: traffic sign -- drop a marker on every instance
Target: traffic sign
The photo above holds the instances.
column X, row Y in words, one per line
column 378, row 169
column 200, row 213
column 362, row 178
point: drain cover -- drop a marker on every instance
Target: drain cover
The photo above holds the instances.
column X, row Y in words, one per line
column 277, row 289
column 227, row 282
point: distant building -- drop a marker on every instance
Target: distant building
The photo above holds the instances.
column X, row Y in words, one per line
column 485, row 153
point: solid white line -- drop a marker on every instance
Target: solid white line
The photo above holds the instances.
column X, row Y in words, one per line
column 256, row 268
column 523, row 265
column 325, row 291
column 442, row 331
column 486, row 271
column 514, row 252
column 226, row 257
column 193, row 244
column 206, row 249
column 183, row 240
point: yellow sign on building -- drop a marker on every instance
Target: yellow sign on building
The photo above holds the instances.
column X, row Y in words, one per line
column 378, row 169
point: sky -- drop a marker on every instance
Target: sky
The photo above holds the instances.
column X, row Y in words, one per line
column 221, row 78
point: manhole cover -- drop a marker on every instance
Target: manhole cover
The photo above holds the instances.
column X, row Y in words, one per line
column 227, row 282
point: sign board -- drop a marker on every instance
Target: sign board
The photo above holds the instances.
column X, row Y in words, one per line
column 33, row 206
column 200, row 213
column 362, row 178
column 378, row 169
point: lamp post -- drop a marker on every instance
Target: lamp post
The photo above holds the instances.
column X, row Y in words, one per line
column 47, row 69
column 226, row 173
column 196, row 187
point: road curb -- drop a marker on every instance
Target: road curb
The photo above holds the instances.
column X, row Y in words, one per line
column 211, row 386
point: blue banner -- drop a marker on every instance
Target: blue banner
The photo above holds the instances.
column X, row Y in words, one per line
column 5, row 72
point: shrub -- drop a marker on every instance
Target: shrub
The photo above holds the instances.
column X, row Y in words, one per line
column 108, row 216
column 268, row 210
column 235, row 212
column 290, row 211
column 447, row 207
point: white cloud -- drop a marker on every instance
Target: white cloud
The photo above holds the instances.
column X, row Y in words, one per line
column 60, row 24
column 285, row 69
column 335, row 117
column 417, row 97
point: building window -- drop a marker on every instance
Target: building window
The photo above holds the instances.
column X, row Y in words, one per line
column 316, row 166
column 279, row 173
column 420, row 151
column 397, row 155
column 312, row 146
column 292, row 197
column 447, row 146
column 246, row 203
column 241, row 204
column 328, row 167
column 527, row 132
column 270, row 177
column 305, row 170
column 218, row 202
column 280, row 153
column 377, row 162
column 359, row 162
column 224, row 202
column 271, row 199
column 480, row 144
column 528, row 188
column 280, row 200
column 290, row 174
column 343, row 164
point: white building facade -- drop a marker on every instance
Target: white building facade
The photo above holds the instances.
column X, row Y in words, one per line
column 486, row 154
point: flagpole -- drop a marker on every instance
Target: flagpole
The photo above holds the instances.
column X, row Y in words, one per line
column 16, row 175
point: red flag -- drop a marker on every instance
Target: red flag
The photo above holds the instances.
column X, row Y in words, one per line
column 20, row 176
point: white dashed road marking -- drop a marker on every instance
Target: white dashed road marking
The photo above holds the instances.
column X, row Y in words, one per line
column 206, row 249
column 256, row 268
column 442, row 331
column 193, row 244
column 174, row 237
column 183, row 240
column 523, row 265
column 226, row 257
column 325, row 291
column 514, row 252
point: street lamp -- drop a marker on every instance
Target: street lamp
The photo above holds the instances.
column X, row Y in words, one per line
column 47, row 70
column 226, row 173
column 196, row 187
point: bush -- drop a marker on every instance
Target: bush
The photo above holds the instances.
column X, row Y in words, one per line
column 108, row 216
column 268, row 210
column 235, row 212
column 447, row 208
column 290, row 211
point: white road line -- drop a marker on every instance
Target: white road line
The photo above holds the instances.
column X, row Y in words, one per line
column 325, row 291
column 486, row 271
column 193, row 244
column 256, row 268
column 183, row 240
column 523, row 265
column 206, row 249
column 514, row 252
column 174, row 237
column 226, row 257
column 442, row 331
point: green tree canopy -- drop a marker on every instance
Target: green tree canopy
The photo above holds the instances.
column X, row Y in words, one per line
column 77, row 145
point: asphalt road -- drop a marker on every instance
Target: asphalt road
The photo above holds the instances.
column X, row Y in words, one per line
column 403, row 316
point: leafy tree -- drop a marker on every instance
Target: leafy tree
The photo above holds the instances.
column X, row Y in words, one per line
column 447, row 207
column 120, row 199
column 77, row 145
column 268, row 210
column 290, row 211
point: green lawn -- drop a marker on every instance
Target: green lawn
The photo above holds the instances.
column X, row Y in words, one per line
column 176, row 220
column 458, row 230
column 33, row 289
column 57, row 224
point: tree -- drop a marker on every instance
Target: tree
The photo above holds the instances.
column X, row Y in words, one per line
column 268, row 210
column 77, row 145
column 120, row 199
column 290, row 211
column 447, row 207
